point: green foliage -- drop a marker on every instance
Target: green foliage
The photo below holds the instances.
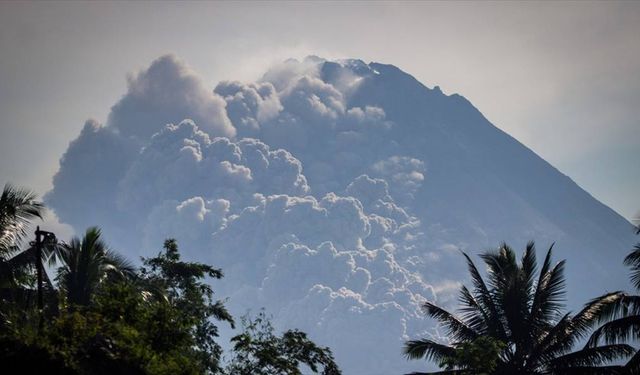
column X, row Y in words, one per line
column 189, row 304
column 158, row 320
column 106, row 317
column 633, row 261
column 18, row 207
column 481, row 355
column 258, row 351
column 74, row 343
column 147, row 332
column 19, row 357
column 86, row 264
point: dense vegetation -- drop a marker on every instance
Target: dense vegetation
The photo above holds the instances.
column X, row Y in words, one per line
column 103, row 315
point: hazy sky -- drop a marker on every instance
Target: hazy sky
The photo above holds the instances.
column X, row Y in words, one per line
column 563, row 78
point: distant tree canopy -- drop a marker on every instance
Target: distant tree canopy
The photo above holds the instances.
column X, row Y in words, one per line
column 105, row 316
column 258, row 351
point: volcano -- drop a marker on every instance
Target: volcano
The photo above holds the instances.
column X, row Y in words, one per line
column 335, row 194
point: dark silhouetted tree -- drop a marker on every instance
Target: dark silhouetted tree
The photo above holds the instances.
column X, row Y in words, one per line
column 258, row 351
column 189, row 303
column 18, row 207
column 522, row 309
column 85, row 264
column 621, row 320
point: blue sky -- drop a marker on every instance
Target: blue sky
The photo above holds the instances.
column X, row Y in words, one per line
column 560, row 77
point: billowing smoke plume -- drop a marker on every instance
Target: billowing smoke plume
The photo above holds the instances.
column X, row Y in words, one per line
column 332, row 193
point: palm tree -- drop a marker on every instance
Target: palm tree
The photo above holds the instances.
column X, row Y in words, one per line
column 621, row 320
column 524, row 312
column 633, row 261
column 18, row 207
column 85, row 264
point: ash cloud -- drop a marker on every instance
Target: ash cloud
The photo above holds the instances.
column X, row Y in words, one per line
column 168, row 92
column 266, row 180
column 335, row 194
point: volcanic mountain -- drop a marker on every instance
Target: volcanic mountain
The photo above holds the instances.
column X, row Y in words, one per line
column 336, row 194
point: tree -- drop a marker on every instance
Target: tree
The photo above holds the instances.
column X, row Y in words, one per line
column 524, row 312
column 18, row 207
column 258, row 351
column 481, row 355
column 190, row 307
column 621, row 320
column 86, row 264
column 633, row 261
column 158, row 320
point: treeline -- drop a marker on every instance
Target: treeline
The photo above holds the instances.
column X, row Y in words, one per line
column 102, row 315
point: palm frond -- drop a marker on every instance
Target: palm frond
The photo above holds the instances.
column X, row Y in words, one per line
column 121, row 264
column 594, row 356
column 18, row 207
column 633, row 261
column 501, row 266
column 473, row 314
column 485, row 300
column 549, row 294
column 511, row 290
column 618, row 330
column 51, row 253
column 445, row 372
column 625, row 305
column 595, row 311
column 589, row 370
column 456, row 328
column 427, row 349
column 555, row 341
column 24, row 258
column 529, row 266
column 569, row 330
column 632, row 367
column 87, row 263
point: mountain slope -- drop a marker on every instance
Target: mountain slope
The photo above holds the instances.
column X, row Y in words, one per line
column 484, row 178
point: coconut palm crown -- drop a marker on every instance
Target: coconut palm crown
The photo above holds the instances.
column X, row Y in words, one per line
column 86, row 264
column 621, row 320
column 18, row 207
column 521, row 309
